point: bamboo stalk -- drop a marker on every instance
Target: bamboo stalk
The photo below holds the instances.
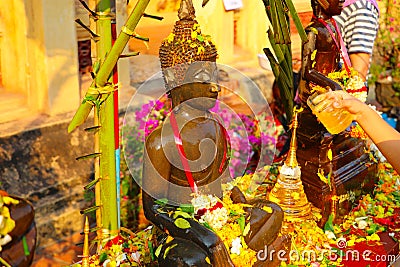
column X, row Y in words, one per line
column 108, row 190
column 108, row 65
column 284, row 84
column 296, row 20
column 284, row 22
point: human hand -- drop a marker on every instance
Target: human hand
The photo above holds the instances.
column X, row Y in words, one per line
column 343, row 100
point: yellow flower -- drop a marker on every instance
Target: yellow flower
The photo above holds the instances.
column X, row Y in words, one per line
column 373, row 237
column 194, row 35
column 170, row 38
column 200, row 50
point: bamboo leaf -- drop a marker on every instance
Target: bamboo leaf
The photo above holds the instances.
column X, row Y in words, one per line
column 93, row 129
column 91, row 184
column 87, row 8
column 91, row 209
column 152, row 16
column 132, row 54
column 137, row 36
column 92, row 34
column 90, row 156
column 296, row 20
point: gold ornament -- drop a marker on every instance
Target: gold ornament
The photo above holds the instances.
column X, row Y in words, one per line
column 288, row 191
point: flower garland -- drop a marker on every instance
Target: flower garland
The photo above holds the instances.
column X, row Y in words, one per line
column 7, row 224
column 134, row 249
column 227, row 220
column 352, row 83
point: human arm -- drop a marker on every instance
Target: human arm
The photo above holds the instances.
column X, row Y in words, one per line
column 386, row 138
column 360, row 62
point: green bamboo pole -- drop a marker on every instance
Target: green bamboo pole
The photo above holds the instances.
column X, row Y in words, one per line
column 108, row 190
column 107, row 66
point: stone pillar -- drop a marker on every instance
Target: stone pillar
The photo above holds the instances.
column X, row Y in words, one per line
column 218, row 23
column 251, row 32
column 41, row 54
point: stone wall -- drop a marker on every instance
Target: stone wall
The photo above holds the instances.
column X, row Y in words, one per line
column 39, row 165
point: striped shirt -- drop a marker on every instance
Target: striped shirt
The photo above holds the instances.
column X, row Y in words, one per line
column 358, row 24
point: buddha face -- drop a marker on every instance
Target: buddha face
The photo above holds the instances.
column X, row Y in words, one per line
column 199, row 89
column 335, row 7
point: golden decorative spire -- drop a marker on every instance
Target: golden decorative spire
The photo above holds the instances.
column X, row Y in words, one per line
column 288, row 191
column 291, row 160
column 85, row 254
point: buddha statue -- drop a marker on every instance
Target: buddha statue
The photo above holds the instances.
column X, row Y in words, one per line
column 350, row 170
column 189, row 153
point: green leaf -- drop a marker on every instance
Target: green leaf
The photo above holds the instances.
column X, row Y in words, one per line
column 103, row 257
column 151, row 248
column 241, row 221
column 158, row 250
column 200, row 38
column 233, row 213
column 182, row 214
column 189, row 208
column 182, row 223
column 206, row 225
column 161, row 201
column 329, row 224
column 246, row 229
column 168, row 249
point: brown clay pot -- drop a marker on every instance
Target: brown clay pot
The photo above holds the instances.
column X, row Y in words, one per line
column 25, row 228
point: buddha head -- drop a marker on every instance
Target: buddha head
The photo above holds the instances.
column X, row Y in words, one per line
column 188, row 59
column 329, row 7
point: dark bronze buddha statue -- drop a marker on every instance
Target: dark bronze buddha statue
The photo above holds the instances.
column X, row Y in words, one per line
column 188, row 155
column 351, row 171
column 320, row 54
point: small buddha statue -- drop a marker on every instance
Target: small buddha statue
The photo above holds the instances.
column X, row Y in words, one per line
column 349, row 167
column 188, row 155
column 321, row 53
